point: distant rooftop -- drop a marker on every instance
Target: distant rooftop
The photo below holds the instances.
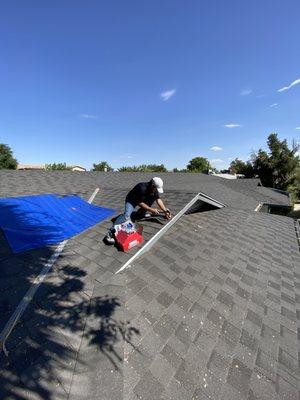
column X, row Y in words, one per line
column 230, row 176
column 38, row 167
column 31, row 167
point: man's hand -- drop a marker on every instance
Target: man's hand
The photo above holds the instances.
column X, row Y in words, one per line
column 163, row 208
column 154, row 211
column 168, row 214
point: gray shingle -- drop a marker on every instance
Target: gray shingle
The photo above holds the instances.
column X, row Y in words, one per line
column 219, row 286
column 148, row 388
column 239, row 376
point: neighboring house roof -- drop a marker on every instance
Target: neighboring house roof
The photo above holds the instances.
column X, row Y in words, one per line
column 254, row 189
column 43, row 167
column 31, row 166
column 210, row 312
column 229, row 176
column 78, row 168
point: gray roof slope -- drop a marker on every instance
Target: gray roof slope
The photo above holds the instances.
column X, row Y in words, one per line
column 216, row 307
column 253, row 188
column 77, row 338
column 232, row 193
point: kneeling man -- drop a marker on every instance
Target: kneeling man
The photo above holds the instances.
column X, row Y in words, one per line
column 143, row 195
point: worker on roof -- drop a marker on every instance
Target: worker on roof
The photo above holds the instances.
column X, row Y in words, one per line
column 143, row 195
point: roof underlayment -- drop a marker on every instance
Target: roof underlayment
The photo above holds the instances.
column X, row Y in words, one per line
column 211, row 311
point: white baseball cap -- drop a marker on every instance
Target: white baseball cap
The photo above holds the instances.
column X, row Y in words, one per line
column 158, row 183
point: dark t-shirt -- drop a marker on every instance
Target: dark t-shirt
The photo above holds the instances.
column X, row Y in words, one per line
column 141, row 193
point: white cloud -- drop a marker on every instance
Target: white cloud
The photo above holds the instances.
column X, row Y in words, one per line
column 273, row 105
column 88, row 116
column 294, row 83
column 167, row 94
column 246, row 92
column 216, row 148
column 128, row 156
column 298, row 127
column 217, row 160
column 232, row 125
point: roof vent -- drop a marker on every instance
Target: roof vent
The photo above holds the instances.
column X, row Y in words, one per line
column 204, row 203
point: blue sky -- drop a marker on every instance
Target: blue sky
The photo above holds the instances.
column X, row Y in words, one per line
column 135, row 82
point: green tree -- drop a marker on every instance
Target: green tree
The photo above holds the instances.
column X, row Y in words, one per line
column 263, row 167
column 294, row 188
column 134, row 168
column 57, row 167
column 238, row 166
column 144, row 168
column 157, row 168
column 179, row 170
column 278, row 167
column 199, row 164
column 284, row 161
column 102, row 166
column 7, row 160
column 153, row 168
column 141, row 168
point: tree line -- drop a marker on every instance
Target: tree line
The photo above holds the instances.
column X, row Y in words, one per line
column 278, row 167
column 197, row 164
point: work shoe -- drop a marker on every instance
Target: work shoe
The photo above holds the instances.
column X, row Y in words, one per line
column 110, row 237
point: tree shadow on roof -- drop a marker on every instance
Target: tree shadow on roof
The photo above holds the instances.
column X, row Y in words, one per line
column 111, row 330
column 43, row 347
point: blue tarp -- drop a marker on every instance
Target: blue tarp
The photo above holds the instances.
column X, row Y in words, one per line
column 30, row 222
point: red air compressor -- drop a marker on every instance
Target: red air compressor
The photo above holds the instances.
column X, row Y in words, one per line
column 128, row 235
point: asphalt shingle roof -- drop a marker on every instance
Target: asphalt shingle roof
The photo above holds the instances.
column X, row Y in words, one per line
column 219, row 317
column 210, row 312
